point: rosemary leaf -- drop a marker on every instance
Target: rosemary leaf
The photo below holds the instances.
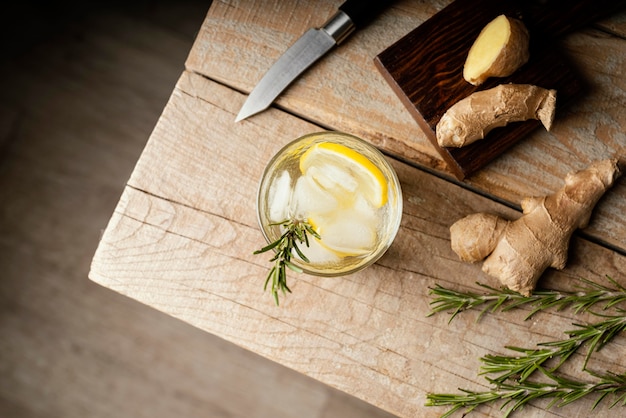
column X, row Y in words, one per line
column 295, row 232
column 515, row 395
column 512, row 384
column 582, row 300
column 523, row 364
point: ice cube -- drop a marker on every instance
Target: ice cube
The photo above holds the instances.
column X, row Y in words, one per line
column 279, row 196
column 309, row 198
column 365, row 212
column 336, row 180
column 349, row 234
column 317, row 254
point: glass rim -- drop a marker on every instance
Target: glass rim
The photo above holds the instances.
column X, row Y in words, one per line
column 390, row 175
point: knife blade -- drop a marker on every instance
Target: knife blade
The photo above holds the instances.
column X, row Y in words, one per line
column 315, row 43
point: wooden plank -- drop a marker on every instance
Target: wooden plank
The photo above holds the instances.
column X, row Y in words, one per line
column 75, row 113
column 188, row 252
column 238, row 43
column 615, row 24
column 425, row 69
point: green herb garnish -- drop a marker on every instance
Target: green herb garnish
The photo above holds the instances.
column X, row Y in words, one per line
column 296, row 232
column 503, row 300
column 516, row 382
column 516, row 394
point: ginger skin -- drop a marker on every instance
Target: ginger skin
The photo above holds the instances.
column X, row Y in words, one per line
column 518, row 252
column 475, row 116
column 499, row 50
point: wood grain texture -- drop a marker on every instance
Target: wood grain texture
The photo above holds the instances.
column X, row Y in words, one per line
column 343, row 86
column 77, row 105
column 188, row 252
column 344, row 91
column 425, row 69
column 615, row 24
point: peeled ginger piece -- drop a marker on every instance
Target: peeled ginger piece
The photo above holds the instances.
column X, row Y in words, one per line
column 499, row 50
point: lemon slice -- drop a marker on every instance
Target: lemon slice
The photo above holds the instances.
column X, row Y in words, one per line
column 332, row 156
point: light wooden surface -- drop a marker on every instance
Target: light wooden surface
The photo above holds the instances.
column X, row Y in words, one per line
column 182, row 235
column 346, row 92
column 79, row 96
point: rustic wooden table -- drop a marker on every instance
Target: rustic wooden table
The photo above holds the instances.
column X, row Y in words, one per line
column 182, row 236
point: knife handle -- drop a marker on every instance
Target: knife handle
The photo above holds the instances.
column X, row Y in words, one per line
column 555, row 18
column 362, row 12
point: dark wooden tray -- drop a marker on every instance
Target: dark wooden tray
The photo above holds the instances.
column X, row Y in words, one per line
column 425, row 67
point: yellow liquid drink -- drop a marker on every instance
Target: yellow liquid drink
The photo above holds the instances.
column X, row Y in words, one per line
column 344, row 188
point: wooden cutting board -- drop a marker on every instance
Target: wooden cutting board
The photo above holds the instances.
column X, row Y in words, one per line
column 425, row 67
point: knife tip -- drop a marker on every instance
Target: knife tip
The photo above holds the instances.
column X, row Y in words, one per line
column 246, row 111
column 240, row 116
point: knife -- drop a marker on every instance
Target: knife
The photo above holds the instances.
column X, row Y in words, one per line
column 352, row 15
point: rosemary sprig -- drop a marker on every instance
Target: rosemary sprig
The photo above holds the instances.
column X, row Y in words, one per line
column 521, row 366
column 504, row 299
column 512, row 384
column 516, row 394
column 295, row 232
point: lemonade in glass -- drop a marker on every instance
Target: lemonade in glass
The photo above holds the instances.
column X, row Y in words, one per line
column 341, row 187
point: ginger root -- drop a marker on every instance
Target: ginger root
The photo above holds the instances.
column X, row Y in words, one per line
column 472, row 118
column 518, row 252
column 498, row 51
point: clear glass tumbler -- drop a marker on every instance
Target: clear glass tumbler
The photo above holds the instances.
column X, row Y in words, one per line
column 344, row 188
